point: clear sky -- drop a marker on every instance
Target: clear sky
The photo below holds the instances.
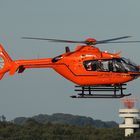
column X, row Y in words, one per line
column 42, row 90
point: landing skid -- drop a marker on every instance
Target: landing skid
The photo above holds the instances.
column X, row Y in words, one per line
column 88, row 91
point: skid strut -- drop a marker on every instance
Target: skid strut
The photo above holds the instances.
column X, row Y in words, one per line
column 89, row 91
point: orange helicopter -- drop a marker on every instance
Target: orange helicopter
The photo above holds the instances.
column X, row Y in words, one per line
column 88, row 67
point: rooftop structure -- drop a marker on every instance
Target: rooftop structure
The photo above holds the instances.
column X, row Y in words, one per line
column 130, row 115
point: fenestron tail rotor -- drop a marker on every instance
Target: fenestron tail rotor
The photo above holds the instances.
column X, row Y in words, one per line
column 88, row 41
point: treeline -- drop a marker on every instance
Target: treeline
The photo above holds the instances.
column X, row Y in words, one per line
column 32, row 130
column 61, row 118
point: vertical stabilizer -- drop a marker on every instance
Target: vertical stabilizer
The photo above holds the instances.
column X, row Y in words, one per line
column 5, row 62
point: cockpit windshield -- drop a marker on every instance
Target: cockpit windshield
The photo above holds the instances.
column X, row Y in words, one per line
column 129, row 65
column 114, row 65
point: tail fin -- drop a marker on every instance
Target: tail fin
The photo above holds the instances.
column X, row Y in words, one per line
column 5, row 62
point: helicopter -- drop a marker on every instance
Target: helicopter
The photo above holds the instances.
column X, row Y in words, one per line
column 88, row 67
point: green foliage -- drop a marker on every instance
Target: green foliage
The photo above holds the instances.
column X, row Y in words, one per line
column 32, row 130
column 61, row 127
column 60, row 118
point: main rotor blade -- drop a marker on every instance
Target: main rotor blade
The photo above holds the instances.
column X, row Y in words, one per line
column 54, row 40
column 86, row 41
column 120, row 42
column 112, row 39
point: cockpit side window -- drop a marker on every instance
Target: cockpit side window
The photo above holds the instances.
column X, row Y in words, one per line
column 113, row 65
column 96, row 65
column 118, row 66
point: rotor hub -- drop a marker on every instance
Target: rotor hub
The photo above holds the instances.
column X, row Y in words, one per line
column 90, row 41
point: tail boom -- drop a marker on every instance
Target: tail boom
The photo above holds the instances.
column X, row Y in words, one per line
column 8, row 65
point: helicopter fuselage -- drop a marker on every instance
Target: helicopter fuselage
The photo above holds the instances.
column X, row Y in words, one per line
column 87, row 65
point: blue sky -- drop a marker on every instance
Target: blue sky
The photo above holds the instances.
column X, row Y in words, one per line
column 42, row 90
